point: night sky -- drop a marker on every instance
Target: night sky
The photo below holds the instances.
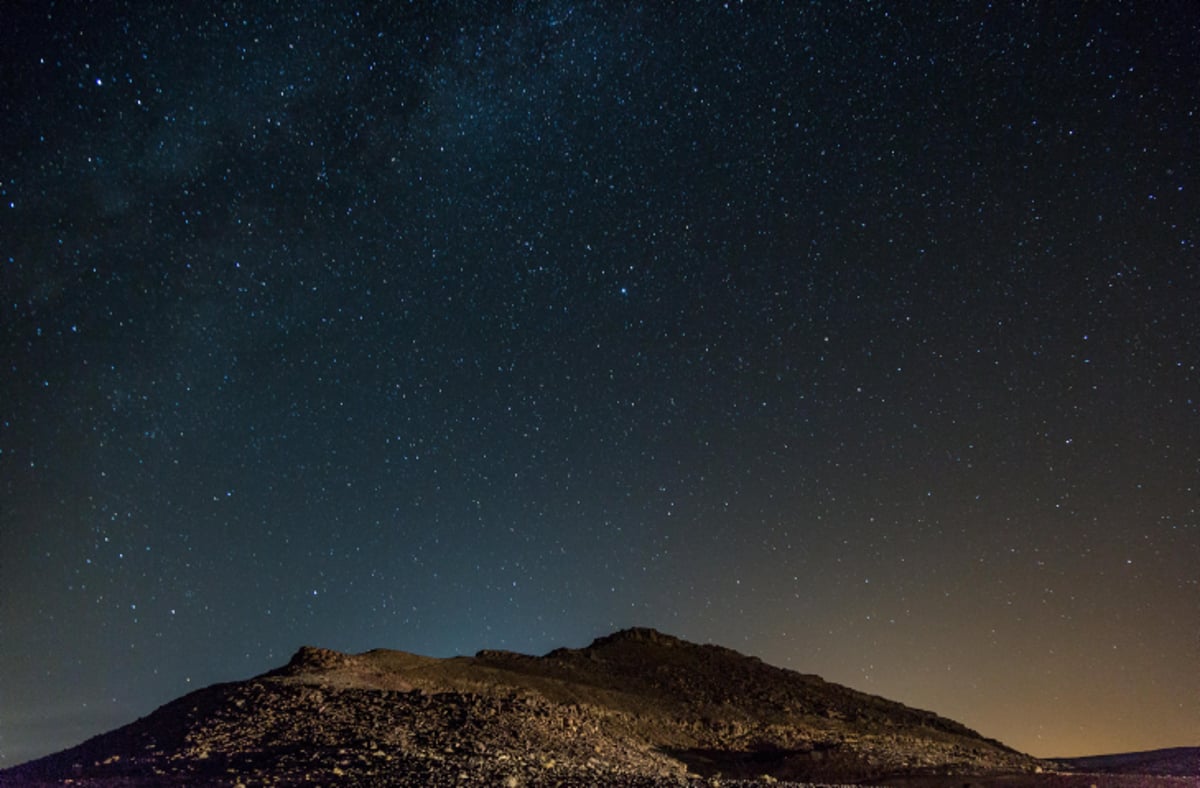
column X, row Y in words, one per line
column 860, row 338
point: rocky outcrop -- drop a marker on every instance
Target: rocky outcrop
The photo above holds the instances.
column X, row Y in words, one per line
column 313, row 659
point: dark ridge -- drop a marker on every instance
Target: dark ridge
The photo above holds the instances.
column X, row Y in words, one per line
column 639, row 635
column 1175, row 761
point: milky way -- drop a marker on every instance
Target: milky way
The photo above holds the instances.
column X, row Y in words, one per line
column 859, row 338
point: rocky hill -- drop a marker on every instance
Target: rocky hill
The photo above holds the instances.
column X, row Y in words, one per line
column 635, row 708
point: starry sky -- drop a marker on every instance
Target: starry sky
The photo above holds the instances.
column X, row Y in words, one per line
column 860, row 337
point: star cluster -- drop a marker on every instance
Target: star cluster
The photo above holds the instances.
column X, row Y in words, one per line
column 857, row 337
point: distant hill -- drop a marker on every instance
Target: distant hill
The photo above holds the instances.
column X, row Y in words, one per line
column 635, row 708
column 1178, row 761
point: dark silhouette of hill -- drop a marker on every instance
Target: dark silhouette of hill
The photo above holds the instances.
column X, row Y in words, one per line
column 1177, row 761
column 635, row 708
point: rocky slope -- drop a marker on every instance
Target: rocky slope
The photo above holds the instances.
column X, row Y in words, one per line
column 636, row 708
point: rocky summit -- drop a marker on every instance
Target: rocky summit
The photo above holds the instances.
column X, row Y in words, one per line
column 635, row 708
